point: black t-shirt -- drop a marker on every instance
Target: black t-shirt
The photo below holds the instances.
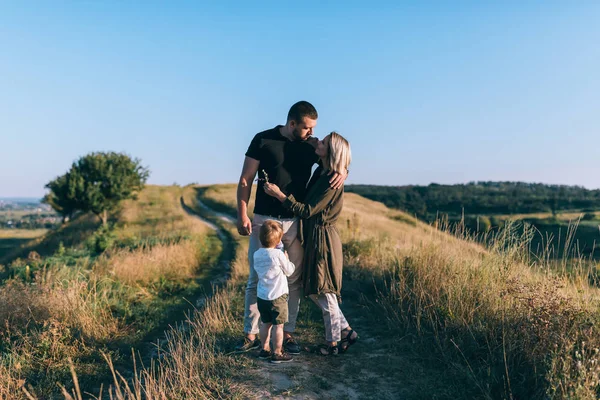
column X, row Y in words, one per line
column 287, row 163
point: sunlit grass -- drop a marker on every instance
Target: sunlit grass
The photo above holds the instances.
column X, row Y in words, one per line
column 75, row 304
column 21, row 233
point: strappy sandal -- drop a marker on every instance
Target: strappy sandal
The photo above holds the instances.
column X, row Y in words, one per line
column 348, row 341
column 327, row 350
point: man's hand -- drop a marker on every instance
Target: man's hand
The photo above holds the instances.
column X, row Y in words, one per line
column 244, row 226
column 337, row 180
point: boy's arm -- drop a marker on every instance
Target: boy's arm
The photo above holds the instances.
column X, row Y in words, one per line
column 287, row 266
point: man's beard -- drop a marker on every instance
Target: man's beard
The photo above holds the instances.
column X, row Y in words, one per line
column 298, row 135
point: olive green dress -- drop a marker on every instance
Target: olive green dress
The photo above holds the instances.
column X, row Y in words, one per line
column 323, row 259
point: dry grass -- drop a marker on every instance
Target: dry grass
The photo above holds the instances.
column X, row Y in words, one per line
column 73, row 234
column 564, row 216
column 511, row 322
column 56, row 308
column 149, row 264
column 194, row 362
column 223, row 198
column 21, row 233
column 513, row 325
column 516, row 326
column 157, row 213
column 61, row 316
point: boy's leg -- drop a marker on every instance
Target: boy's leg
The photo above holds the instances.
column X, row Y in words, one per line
column 296, row 254
column 277, row 338
column 265, row 336
column 279, row 313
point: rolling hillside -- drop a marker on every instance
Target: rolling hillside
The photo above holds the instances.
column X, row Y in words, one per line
column 444, row 317
column 438, row 316
column 80, row 293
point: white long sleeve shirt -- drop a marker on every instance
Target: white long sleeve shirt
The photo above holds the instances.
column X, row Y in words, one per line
column 272, row 268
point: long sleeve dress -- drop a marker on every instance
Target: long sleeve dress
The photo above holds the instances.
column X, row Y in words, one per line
column 323, row 259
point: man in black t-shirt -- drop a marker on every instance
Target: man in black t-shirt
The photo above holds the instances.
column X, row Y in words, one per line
column 283, row 155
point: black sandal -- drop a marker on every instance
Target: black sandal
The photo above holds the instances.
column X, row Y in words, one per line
column 349, row 340
column 327, row 350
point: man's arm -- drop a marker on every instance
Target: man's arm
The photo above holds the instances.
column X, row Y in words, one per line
column 244, row 190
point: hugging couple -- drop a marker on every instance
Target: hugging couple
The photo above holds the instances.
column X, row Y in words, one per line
column 294, row 245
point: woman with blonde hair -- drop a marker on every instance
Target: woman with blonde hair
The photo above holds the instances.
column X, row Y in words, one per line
column 323, row 259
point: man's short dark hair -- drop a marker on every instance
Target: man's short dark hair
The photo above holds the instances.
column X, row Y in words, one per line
column 300, row 110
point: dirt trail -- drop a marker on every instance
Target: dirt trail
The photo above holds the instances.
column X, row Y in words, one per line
column 379, row 366
column 311, row 376
column 360, row 373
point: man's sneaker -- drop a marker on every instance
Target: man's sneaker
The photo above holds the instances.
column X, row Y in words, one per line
column 248, row 345
column 291, row 346
column 281, row 358
column 264, row 354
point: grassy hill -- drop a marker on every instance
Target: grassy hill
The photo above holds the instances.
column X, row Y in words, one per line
column 439, row 316
column 86, row 293
column 11, row 239
column 566, row 219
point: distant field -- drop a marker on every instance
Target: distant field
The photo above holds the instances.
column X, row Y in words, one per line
column 16, row 213
column 562, row 216
column 12, row 238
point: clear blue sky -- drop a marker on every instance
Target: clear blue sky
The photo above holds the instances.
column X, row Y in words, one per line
column 429, row 92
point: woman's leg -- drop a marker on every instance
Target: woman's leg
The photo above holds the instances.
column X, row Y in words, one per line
column 349, row 337
column 331, row 316
column 343, row 323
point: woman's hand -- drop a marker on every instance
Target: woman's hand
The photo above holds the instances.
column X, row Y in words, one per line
column 274, row 191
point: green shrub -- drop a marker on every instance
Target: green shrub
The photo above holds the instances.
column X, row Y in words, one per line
column 485, row 224
column 103, row 239
column 588, row 217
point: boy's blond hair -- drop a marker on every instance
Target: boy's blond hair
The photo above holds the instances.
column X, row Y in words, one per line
column 271, row 233
column 340, row 154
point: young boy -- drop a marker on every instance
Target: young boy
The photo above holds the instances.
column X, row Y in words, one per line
column 272, row 267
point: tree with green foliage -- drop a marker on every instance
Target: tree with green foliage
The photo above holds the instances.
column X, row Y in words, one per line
column 62, row 195
column 97, row 183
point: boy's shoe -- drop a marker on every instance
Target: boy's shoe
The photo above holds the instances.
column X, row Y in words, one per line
column 248, row 345
column 281, row 358
column 291, row 346
column 265, row 354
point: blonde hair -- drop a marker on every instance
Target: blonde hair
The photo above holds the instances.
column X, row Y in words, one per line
column 340, row 155
column 271, row 233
